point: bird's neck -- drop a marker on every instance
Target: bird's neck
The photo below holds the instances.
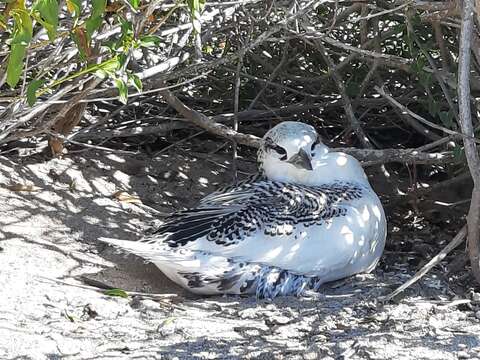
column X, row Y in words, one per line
column 328, row 167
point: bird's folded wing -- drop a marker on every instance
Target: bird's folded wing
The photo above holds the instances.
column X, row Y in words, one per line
column 228, row 188
column 232, row 216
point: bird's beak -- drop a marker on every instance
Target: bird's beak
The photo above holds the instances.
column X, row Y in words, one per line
column 301, row 160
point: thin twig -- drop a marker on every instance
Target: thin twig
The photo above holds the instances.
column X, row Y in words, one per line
column 422, row 119
column 273, row 75
column 354, row 123
column 236, row 105
column 457, row 240
column 90, row 146
column 102, row 290
column 440, row 80
column 208, row 124
column 380, row 13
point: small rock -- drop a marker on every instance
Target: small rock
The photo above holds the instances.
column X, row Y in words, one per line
column 248, row 314
column 277, row 320
column 167, row 327
column 144, row 304
column 476, row 296
column 310, row 355
column 89, row 312
column 463, row 355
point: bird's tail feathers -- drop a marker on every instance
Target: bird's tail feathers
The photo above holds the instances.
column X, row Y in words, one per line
column 156, row 254
column 206, row 273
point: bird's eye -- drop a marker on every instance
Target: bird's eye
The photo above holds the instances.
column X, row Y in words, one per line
column 315, row 143
column 279, row 150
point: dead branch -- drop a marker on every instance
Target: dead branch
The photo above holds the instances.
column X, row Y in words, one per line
column 471, row 152
column 159, row 129
column 368, row 156
column 422, row 119
column 352, row 119
column 206, row 123
column 457, row 240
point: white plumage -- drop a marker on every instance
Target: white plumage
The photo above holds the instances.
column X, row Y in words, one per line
column 309, row 217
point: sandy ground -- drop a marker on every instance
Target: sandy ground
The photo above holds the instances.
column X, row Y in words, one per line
column 52, row 212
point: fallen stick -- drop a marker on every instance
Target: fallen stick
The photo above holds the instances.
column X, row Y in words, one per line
column 102, row 289
column 457, row 240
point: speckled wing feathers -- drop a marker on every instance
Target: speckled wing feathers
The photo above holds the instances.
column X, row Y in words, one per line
column 274, row 208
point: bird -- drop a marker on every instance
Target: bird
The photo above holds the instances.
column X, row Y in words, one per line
column 308, row 217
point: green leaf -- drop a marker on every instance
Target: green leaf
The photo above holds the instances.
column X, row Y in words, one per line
column 110, row 66
column 98, row 7
column 196, row 7
column 3, row 22
column 126, row 26
column 48, row 10
column 433, row 107
column 135, row 3
column 92, row 24
column 446, row 117
column 96, row 17
column 122, row 90
column 32, row 91
column 122, row 59
column 150, row 41
column 107, row 68
column 457, row 152
column 22, row 34
column 208, row 49
column 101, row 74
column 74, row 7
column 136, row 82
column 116, row 292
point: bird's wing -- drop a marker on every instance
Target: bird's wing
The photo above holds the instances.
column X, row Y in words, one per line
column 272, row 208
column 228, row 188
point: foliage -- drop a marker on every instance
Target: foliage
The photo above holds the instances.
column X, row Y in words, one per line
column 48, row 48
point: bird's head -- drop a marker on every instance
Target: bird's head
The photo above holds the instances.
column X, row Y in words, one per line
column 288, row 147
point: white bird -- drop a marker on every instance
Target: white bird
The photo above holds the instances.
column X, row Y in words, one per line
column 310, row 217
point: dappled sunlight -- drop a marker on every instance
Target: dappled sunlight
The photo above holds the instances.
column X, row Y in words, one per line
column 341, row 160
column 78, row 199
column 347, row 233
column 366, row 213
column 377, row 212
column 64, row 220
column 275, row 252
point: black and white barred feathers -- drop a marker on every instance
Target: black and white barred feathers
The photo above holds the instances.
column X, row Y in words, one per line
column 311, row 217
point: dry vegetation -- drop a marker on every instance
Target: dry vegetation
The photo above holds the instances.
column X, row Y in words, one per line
column 395, row 83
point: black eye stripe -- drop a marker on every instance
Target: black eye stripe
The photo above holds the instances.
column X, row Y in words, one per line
column 316, row 142
column 277, row 148
column 280, row 150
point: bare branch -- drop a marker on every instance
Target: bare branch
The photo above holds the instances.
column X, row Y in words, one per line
column 457, row 240
column 206, row 123
column 471, row 152
column 354, row 122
